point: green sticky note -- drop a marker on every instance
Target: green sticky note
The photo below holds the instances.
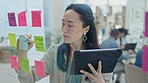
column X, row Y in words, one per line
column 39, row 43
column 12, row 39
column 25, row 65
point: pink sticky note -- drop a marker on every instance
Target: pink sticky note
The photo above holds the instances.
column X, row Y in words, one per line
column 13, row 62
column 146, row 25
column 22, row 19
column 39, row 65
column 12, row 20
column 145, row 59
column 36, row 18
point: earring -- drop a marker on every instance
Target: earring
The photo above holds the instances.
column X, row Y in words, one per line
column 84, row 37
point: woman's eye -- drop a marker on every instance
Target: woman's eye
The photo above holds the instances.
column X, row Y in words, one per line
column 70, row 25
column 63, row 24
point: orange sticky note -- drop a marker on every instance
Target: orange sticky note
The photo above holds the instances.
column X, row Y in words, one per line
column 22, row 19
column 36, row 18
column 39, row 65
column 13, row 62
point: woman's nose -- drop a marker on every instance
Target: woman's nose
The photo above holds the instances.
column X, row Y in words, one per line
column 65, row 28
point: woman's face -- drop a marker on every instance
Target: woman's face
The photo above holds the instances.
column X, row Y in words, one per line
column 72, row 27
column 121, row 34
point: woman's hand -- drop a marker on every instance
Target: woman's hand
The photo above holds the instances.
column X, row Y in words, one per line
column 23, row 53
column 122, row 46
column 30, row 42
column 95, row 76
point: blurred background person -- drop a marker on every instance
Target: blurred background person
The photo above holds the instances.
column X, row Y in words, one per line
column 138, row 61
column 122, row 37
column 111, row 41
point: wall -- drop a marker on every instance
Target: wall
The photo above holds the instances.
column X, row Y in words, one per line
column 53, row 13
column 135, row 27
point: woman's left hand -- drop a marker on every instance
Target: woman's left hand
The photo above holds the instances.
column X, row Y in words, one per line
column 95, row 76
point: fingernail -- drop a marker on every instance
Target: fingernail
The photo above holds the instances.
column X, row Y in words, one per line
column 89, row 64
column 81, row 71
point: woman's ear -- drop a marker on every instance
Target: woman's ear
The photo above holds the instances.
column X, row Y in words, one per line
column 86, row 29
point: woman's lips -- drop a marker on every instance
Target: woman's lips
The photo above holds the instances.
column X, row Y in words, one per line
column 65, row 36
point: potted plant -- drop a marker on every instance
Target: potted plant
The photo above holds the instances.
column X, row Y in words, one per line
column 5, row 51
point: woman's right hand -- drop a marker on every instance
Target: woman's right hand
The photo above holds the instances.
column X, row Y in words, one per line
column 30, row 42
column 23, row 53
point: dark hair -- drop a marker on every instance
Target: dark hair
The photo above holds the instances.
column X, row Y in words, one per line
column 86, row 16
column 123, row 30
column 114, row 33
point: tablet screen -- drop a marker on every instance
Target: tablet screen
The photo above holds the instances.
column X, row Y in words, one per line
column 108, row 57
column 130, row 46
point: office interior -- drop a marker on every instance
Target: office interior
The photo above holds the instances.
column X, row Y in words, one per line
column 109, row 14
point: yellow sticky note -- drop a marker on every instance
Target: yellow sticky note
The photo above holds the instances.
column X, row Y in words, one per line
column 12, row 39
column 39, row 44
column 25, row 65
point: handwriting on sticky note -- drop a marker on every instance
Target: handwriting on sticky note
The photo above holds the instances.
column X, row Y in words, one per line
column 39, row 43
column 25, row 65
column 36, row 18
column 145, row 59
column 40, row 71
column 22, row 19
column 12, row 20
column 12, row 39
column 23, row 42
column 13, row 62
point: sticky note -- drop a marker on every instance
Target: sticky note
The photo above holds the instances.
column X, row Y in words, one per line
column 145, row 59
column 12, row 20
column 40, row 71
column 23, row 42
column 22, row 19
column 36, row 18
column 12, row 39
column 24, row 63
column 39, row 44
column 146, row 25
column 13, row 62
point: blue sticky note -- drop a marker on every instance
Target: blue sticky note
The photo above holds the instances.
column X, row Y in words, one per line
column 23, row 42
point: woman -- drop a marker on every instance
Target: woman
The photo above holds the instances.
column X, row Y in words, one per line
column 79, row 33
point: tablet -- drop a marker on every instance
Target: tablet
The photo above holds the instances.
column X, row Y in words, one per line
column 130, row 46
column 108, row 57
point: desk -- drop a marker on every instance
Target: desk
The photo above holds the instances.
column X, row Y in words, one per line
column 131, row 59
column 120, row 65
